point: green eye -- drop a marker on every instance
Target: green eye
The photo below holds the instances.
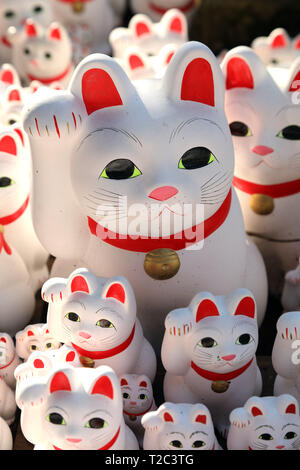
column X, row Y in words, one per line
column 290, row 133
column 104, row 323
column 240, row 129
column 176, row 444
column 126, row 395
column 5, row 182
column 198, row 444
column 49, row 345
column 290, row 435
column 56, row 418
column 96, row 423
column 33, row 347
column 196, row 157
column 266, row 437
column 72, row 316
column 9, row 14
column 207, row 343
column 120, row 169
column 142, row 396
column 244, row 339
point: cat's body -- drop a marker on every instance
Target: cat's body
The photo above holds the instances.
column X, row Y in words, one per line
column 150, row 120
column 74, row 409
column 267, row 423
column 157, row 8
column 179, row 427
column 209, row 354
column 264, row 123
column 35, row 337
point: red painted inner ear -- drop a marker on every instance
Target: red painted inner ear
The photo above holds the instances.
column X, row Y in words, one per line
column 239, row 74
column 116, row 291
column 99, row 91
column 8, row 145
column 14, row 95
column 295, row 85
column 201, row 419
column 168, row 59
column 279, row 41
column 291, row 409
column 31, row 29
column 70, row 356
column 207, row 308
column 143, row 384
column 141, row 29
column 256, row 411
column 38, row 364
column 79, row 284
column 198, row 83
column 55, row 33
column 103, row 386
column 3, row 340
column 135, row 62
column 60, row 382
column 30, row 333
column 7, row 77
column 297, row 44
column 123, row 382
column 246, row 307
column 168, row 417
column 176, row 25
column 20, row 134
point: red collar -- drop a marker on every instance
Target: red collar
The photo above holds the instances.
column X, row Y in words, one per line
column 4, row 367
column 106, row 447
column 48, row 81
column 175, row 242
column 214, row 376
column 5, row 41
column 9, row 219
column 138, row 414
column 273, row 190
column 162, row 11
column 109, row 352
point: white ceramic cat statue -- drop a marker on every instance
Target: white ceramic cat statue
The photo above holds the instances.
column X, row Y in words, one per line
column 35, row 337
column 208, row 352
column 43, row 54
column 6, row 439
column 137, row 394
column 94, row 18
column 149, row 38
column 290, row 298
column 286, row 355
column 277, row 49
column 9, row 360
column 179, row 427
column 267, row 423
column 15, row 13
column 155, row 9
column 97, row 317
column 75, row 409
column 264, row 121
column 162, row 224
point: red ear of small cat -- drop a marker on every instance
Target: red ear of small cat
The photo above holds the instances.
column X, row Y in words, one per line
column 238, row 74
column 14, row 95
column 99, row 91
column 296, row 43
column 79, row 284
column 3, row 339
column 60, row 382
column 141, row 28
column 191, row 89
column 168, row 417
column 8, row 145
column 279, row 41
column 7, row 76
column 123, row 382
column 143, row 384
column 246, row 307
column 291, row 409
column 20, row 134
column 176, row 25
column 135, row 61
column 206, row 308
column 30, row 28
column 255, row 411
column 103, row 386
column 294, row 83
column 201, row 419
column 30, row 333
column 116, row 291
column 55, row 32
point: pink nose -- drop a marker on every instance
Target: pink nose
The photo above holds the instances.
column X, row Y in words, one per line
column 279, row 447
column 85, row 335
column 74, row 441
column 230, row 357
column 34, row 62
column 163, row 193
column 262, row 150
column 133, row 402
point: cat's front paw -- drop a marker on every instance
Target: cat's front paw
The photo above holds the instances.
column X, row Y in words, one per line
column 53, row 291
column 178, row 324
column 240, row 418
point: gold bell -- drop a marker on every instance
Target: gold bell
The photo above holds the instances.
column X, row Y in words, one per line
column 78, row 6
column 220, row 386
column 87, row 362
column 1, row 229
column 162, row 264
column 262, row 204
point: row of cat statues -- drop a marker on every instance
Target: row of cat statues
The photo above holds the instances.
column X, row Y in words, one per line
column 165, row 182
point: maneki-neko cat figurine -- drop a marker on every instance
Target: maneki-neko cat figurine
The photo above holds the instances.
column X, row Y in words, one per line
column 208, row 352
column 136, row 178
column 264, row 122
column 278, row 49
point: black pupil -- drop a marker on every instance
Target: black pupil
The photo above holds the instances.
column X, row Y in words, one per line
column 11, row 122
column 38, row 9
column 48, row 345
column 26, row 51
column 176, row 443
column 142, row 396
column 73, row 316
column 125, row 395
column 120, row 169
column 33, row 347
column 96, row 423
column 207, row 342
column 48, row 55
column 244, row 339
column 238, row 129
column 290, row 435
column 5, row 182
column 9, row 14
column 196, row 157
column 198, row 444
column 291, row 133
column 274, row 61
column 105, row 323
column 266, row 437
column 55, row 418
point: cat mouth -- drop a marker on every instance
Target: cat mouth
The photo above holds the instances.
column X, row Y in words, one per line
column 167, row 208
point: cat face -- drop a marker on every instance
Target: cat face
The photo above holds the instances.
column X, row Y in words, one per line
column 7, row 349
column 278, row 49
column 177, row 152
column 156, row 8
column 81, row 409
column 263, row 119
column 225, row 333
column 137, row 393
column 35, row 338
column 92, row 313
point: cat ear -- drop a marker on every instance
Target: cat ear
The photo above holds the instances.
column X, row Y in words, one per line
column 30, row 333
column 59, row 382
column 31, row 29
column 3, row 339
column 143, row 381
column 100, row 82
column 174, row 22
column 241, row 302
column 135, row 60
column 287, row 404
column 293, row 82
column 82, row 280
column 141, row 26
column 167, row 412
column 8, row 144
column 194, row 75
column 255, row 411
column 200, row 414
column 118, row 288
column 106, row 383
column 9, row 75
column 165, row 54
column 204, row 305
column 13, row 94
column 279, row 39
column 55, row 32
column 296, row 42
column 123, row 382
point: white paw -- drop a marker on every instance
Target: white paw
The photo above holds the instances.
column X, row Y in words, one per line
column 178, row 323
column 240, row 418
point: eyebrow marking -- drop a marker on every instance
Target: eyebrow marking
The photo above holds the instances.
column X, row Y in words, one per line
column 80, row 303
column 290, row 424
column 177, row 432
column 265, row 426
column 179, row 128
column 112, row 129
column 198, row 432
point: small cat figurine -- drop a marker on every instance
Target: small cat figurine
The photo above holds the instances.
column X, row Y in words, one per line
column 155, row 9
column 15, row 13
column 9, row 360
column 138, row 400
column 179, row 427
column 97, row 318
column 42, row 54
column 35, row 337
column 208, row 352
column 277, row 49
column 75, row 409
column 268, row 423
column 147, row 37
column 285, row 355
column 290, row 299
column 264, row 121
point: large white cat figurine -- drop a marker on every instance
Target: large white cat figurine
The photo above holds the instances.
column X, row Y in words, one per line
column 75, row 409
column 179, row 427
column 265, row 123
column 208, row 352
column 136, row 181
column 268, row 423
